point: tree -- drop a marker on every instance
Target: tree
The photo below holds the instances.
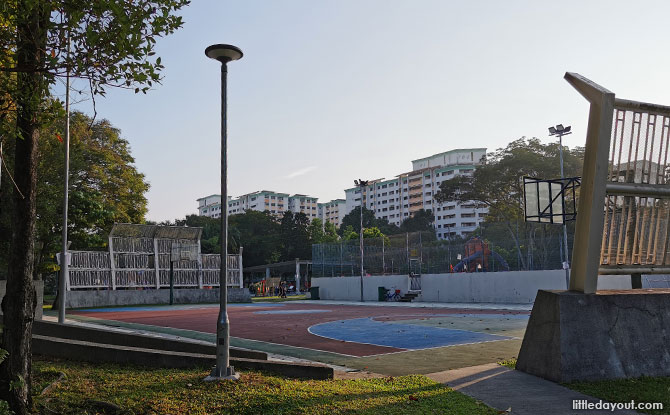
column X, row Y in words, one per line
column 353, row 219
column 420, row 221
column 106, row 43
column 258, row 233
column 320, row 233
column 294, row 236
column 498, row 184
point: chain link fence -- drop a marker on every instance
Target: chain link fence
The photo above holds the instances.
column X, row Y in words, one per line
column 539, row 248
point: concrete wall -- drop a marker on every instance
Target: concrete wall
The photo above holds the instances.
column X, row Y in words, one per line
column 98, row 298
column 39, row 289
column 483, row 287
column 502, row 287
column 349, row 288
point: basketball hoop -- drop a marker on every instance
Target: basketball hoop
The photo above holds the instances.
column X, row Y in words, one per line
column 545, row 202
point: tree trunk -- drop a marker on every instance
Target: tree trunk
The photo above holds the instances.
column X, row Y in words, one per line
column 518, row 246
column 18, row 305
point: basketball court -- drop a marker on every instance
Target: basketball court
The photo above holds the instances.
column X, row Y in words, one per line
column 392, row 340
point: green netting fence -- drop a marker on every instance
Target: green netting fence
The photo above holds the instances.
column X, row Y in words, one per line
column 422, row 253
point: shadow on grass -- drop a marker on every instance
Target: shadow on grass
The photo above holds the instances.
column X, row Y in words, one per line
column 142, row 390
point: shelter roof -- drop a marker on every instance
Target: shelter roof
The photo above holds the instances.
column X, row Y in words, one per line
column 130, row 230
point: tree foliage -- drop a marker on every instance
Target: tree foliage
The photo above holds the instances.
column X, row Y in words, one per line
column 107, row 43
column 421, row 221
column 105, row 187
column 353, row 220
column 265, row 238
column 498, row 185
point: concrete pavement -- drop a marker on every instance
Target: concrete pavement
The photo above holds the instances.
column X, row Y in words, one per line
column 505, row 389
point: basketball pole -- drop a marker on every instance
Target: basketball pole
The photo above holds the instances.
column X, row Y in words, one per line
column 560, row 131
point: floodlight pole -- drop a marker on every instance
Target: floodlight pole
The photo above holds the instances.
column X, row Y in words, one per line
column 64, row 266
column 560, row 131
column 223, row 370
column 361, row 185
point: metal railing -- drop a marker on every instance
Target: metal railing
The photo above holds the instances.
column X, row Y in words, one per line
column 623, row 227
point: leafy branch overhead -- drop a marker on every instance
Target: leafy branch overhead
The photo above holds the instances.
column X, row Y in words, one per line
column 111, row 43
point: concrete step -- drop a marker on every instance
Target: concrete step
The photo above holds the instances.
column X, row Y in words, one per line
column 86, row 351
column 125, row 338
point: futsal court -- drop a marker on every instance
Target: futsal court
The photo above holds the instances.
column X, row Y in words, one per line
column 392, row 340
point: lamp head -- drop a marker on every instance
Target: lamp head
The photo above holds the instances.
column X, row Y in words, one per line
column 223, row 53
column 560, row 128
column 552, row 130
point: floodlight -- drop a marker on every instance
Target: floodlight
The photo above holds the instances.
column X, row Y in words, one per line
column 567, row 129
column 560, row 128
column 552, row 130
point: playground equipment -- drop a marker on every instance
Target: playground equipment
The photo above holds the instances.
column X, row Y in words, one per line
column 480, row 258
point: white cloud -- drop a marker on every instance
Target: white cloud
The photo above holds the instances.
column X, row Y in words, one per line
column 300, row 172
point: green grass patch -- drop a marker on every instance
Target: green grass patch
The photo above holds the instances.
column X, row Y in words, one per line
column 48, row 299
column 510, row 363
column 276, row 299
column 174, row 391
column 645, row 389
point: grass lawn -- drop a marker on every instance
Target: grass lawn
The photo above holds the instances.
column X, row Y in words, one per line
column 137, row 390
column 48, row 299
column 644, row 389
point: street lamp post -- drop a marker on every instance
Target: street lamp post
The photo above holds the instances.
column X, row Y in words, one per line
column 560, row 131
column 361, row 185
column 64, row 265
column 223, row 370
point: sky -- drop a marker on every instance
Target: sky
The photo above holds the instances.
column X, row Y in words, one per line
column 329, row 91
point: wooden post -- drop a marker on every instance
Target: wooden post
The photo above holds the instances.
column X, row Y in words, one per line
column 157, row 265
column 297, row 275
column 112, row 266
column 241, row 268
column 199, row 266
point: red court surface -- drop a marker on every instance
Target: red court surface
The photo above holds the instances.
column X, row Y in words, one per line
column 283, row 323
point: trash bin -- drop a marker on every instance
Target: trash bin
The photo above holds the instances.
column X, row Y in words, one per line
column 314, row 293
column 381, row 292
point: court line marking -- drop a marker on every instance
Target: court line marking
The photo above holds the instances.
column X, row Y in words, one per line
column 297, row 347
column 404, row 350
column 214, row 334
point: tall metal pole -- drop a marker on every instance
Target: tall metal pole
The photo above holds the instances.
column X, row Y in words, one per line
column 223, row 370
column 64, row 274
column 565, row 227
column 361, row 244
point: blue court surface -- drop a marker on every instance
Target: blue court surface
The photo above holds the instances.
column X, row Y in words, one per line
column 398, row 335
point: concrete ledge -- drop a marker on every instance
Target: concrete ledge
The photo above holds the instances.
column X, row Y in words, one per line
column 611, row 334
column 96, row 353
column 39, row 291
column 112, row 337
column 99, row 298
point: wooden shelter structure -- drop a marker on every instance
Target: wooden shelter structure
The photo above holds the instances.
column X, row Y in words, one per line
column 139, row 256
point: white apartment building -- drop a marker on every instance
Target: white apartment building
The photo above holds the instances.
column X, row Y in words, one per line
column 210, row 206
column 275, row 203
column 397, row 199
column 332, row 211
